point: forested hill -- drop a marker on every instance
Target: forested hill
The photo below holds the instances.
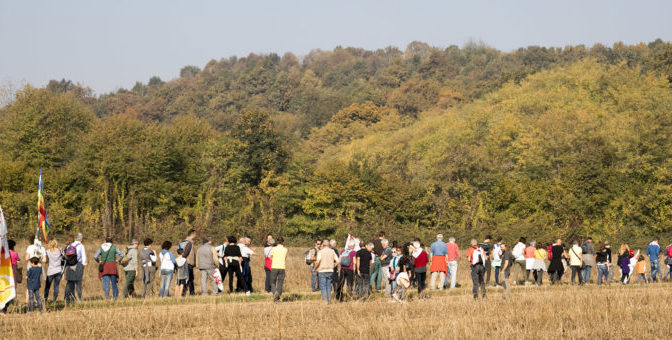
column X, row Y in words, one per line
column 543, row 142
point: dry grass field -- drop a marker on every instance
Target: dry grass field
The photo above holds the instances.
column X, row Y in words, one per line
column 598, row 312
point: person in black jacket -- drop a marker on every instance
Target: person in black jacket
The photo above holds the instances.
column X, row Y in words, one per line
column 233, row 259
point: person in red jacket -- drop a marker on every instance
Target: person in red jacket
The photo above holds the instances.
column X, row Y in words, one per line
column 420, row 264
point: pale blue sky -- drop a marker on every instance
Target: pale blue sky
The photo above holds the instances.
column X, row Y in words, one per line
column 112, row 44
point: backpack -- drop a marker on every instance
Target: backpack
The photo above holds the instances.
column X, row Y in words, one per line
column 70, row 255
column 346, row 260
column 124, row 261
column 517, row 252
column 181, row 245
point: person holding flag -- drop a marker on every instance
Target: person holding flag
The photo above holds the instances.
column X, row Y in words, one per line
column 7, row 281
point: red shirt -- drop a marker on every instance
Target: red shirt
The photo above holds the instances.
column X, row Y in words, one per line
column 453, row 251
column 422, row 260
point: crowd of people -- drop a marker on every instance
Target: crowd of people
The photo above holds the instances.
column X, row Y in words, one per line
column 342, row 274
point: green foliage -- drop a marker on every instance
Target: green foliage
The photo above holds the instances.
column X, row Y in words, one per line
column 542, row 142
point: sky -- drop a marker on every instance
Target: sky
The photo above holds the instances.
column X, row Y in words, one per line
column 108, row 45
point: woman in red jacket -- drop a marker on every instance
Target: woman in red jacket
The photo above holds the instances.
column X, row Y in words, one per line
column 420, row 264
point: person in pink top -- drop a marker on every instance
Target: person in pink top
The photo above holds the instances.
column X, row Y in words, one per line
column 529, row 260
column 451, row 258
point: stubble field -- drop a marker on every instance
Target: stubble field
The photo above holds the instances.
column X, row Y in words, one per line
column 591, row 311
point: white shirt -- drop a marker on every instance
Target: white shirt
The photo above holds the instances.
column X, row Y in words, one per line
column 245, row 250
column 35, row 251
column 81, row 252
column 519, row 251
column 220, row 250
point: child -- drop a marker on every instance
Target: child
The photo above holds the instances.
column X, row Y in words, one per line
column 182, row 272
column 641, row 270
column 624, row 262
column 33, row 279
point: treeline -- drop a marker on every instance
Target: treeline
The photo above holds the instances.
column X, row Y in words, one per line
column 542, row 141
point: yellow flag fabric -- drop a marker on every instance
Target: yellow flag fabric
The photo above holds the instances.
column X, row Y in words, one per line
column 7, row 283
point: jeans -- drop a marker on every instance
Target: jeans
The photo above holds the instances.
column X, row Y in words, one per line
column 110, row 280
column 602, row 272
column 347, row 277
column 205, row 275
column 586, row 273
column 576, row 272
column 655, row 270
column 54, row 279
column 70, row 291
column 477, row 278
column 441, row 276
column 314, row 285
column 497, row 268
column 452, row 267
column 267, row 282
column 640, row 277
column 166, row 277
column 277, row 280
column 364, row 281
column 376, row 276
column 325, row 285
column 129, row 287
column 190, row 281
column 34, row 299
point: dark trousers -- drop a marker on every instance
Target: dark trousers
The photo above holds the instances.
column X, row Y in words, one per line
column 421, row 278
column 129, row 287
column 477, row 278
column 488, row 268
column 70, row 291
column 190, row 282
column 497, row 269
column 364, row 282
column 247, row 276
column 277, row 280
column 347, row 277
column 54, row 280
column 267, row 283
column 234, row 268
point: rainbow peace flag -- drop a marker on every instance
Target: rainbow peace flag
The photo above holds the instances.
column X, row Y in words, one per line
column 42, row 220
column 7, row 283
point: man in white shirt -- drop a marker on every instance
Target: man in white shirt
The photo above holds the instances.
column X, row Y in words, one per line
column 247, row 252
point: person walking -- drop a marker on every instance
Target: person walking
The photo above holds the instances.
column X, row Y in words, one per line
column 487, row 248
column 270, row 242
column 54, row 257
column 539, row 266
column 452, row 257
column 477, row 260
column 324, row 266
column 130, row 263
column 311, row 257
column 624, row 262
column 653, row 251
column 508, row 261
column 668, row 261
column 190, row 254
column 529, row 260
column 278, row 263
column 378, row 249
column 363, row 269
column 497, row 259
column 575, row 260
column 588, row 258
column 168, row 264
column 519, row 253
column 610, row 264
column 33, row 279
column 420, row 266
column 234, row 259
column 438, row 251
column 556, row 268
column 206, row 259
column 74, row 269
column 601, row 260
column 106, row 257
column 246, row 271
column 641, row 270
column 347, row 274
column 182, row 272
column 148, row 259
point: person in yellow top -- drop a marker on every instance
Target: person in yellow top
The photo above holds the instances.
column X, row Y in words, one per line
column 278, row 260
column 539, row 265
column 641, row 270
